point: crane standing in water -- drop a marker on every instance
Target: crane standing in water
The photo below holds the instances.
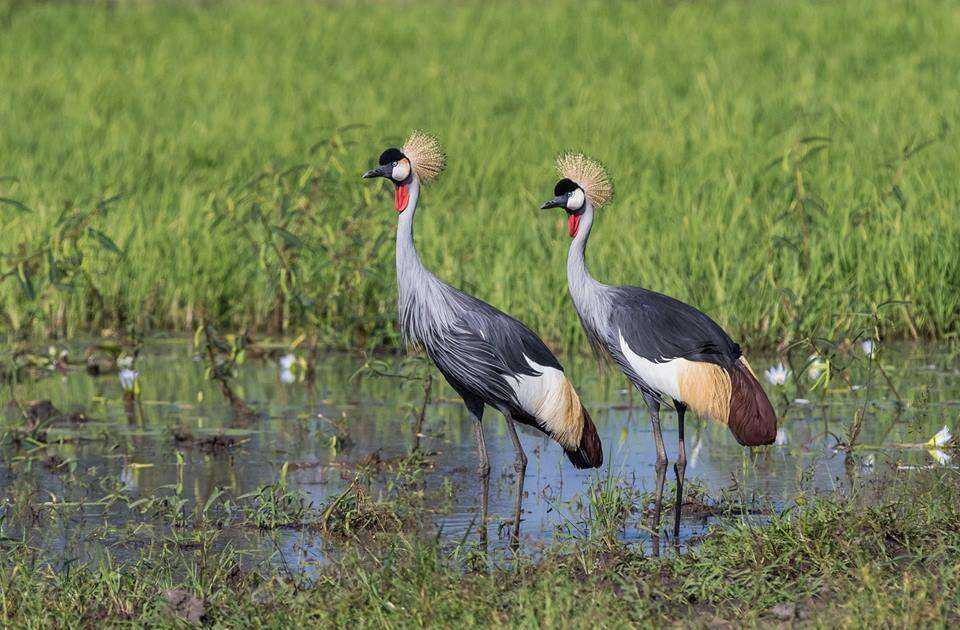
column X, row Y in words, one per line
column 488, row 357
column 665, row 347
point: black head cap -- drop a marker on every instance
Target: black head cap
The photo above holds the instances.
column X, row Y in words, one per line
column 564, row 186
column 390, row 156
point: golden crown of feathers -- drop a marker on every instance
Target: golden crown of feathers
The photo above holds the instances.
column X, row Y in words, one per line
column 589, row 175
column 425, row 155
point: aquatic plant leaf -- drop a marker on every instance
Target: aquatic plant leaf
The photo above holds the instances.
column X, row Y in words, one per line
column 15, row 204
column 26, row 284
column 291, row 239
column 102, row 205
column 105, row 241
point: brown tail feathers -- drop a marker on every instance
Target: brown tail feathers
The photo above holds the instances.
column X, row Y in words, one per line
column 752, row 419
column 589, row 453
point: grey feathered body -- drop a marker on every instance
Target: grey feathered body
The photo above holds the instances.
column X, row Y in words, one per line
column 476, row 347
column 654, row 326
column 669, row 348
column 488, row 357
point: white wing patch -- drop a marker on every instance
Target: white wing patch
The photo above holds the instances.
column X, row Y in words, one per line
column 663, row 377
column 550, row 399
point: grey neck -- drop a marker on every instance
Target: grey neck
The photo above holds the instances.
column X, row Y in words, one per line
column 408, row 261
column 424, row 303
column 588, row 295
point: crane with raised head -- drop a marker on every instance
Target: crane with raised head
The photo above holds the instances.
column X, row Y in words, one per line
column 666, row 348
column 488, row 357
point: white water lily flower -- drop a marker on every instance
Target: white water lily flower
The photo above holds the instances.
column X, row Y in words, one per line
column 868, row 347
column 777, row 375
column 286, row 376
column 287, row 361
column 128, row 379
column 942, row 438
column 782, row 437
column 942, row 458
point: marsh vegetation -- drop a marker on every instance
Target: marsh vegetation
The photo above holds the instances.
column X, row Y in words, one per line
column 343, row 497
column 205, row 419
column 785, row 168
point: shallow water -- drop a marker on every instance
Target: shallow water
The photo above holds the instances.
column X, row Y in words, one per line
column 135, row 446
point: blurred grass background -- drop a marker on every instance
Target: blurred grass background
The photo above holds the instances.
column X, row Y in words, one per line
column 784, row 166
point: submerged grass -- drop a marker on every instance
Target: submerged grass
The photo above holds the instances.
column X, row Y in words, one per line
column 784, row 166
column 889, row 557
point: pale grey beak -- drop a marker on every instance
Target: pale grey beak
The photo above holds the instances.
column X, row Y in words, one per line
column 556, row 202
column 382, row 171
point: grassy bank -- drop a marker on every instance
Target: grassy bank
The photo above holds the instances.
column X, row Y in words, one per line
column 785, row 166
column 889, row 557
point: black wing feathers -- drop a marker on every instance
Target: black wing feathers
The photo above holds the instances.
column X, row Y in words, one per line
column 483, row 347
column 510, row 337
column 658, row 328
column 470, row 364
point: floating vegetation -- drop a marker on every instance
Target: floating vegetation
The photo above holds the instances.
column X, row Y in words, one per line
column 210, row 440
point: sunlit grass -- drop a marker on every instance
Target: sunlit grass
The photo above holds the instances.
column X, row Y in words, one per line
column 770, row 158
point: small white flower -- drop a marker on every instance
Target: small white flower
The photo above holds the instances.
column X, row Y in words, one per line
column 942, row 438
column 942, row 458
column 125, row 361
column 777, row 375
column 801, row 401
column 782, row 437
column 128, row 379
column 868, row 347
column 287, row 361
column 286, row 376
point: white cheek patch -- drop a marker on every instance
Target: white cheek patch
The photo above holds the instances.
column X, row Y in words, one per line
column 575, row 200
column 401, row 171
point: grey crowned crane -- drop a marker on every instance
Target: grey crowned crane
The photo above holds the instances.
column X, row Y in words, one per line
column 488, row 357
column 665, row 347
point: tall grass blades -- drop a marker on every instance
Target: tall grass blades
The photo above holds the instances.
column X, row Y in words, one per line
column 783, row 166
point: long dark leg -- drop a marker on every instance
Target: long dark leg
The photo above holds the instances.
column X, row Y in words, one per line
column 653, row 407
column 520, row 465
column 679, row 467
column 483, row 470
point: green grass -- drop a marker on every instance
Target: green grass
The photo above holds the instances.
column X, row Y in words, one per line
column 890, row 560
column 700, row 111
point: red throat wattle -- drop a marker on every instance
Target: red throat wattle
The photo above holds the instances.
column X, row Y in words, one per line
column 573, row 224
column 401, row 197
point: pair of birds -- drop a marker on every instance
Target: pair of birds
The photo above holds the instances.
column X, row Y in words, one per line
column 666, row 348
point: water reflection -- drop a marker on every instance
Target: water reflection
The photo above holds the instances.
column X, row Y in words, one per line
column 315, row 432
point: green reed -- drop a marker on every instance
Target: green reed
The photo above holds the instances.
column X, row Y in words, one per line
column 784, row 166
